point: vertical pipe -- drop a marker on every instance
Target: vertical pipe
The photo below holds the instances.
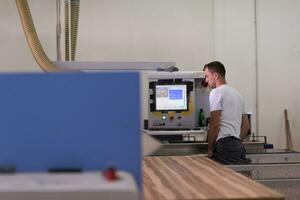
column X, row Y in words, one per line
column 58, row 29
column 256, row 68
column 214, row 29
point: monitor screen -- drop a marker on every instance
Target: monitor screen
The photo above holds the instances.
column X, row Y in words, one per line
column 171, row 97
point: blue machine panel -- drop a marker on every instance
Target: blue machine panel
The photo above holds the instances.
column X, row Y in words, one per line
column 76, row 120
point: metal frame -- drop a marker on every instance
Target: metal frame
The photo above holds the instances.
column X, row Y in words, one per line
column 268, row 171
column 268, row 158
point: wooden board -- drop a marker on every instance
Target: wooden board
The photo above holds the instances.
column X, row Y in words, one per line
column 198, row 177
column 289, row 144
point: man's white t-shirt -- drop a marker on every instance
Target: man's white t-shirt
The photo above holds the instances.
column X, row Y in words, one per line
column 231, row 104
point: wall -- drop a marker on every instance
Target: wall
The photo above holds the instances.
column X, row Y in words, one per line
column 278, row 72
column 141, row 30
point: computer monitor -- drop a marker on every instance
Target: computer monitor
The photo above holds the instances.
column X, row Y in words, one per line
column 172, row 97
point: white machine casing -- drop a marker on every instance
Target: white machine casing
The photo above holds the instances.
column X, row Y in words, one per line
column 67, row 186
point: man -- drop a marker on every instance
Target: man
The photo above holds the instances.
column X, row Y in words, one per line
column 229, row 122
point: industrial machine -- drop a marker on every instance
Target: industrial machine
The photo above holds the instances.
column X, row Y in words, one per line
column 174, row 103
column 60, row 133
column 175, row 100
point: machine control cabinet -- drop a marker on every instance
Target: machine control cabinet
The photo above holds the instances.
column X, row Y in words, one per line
column 175, row 99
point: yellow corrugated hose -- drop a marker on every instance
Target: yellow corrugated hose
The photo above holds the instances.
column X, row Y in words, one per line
column 71, row 28
column 74, row 26
column 67, row 32
column 32, row 38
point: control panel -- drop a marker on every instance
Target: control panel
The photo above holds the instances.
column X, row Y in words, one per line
column 175, row 99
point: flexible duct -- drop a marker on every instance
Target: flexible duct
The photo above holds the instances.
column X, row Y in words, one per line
column 71, row 28
column 74, row 26
column 67, row 30
column 32, row 38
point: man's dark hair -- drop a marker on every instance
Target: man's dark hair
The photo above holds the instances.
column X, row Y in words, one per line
column 216, row 66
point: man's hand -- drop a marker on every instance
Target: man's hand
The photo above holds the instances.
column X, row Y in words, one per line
column 209, row 153
column 245, row 127
column 213, row 131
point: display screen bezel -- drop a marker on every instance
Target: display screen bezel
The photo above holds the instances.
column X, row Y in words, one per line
column 171, row 84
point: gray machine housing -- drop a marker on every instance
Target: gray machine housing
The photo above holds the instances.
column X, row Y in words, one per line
column 198, row 97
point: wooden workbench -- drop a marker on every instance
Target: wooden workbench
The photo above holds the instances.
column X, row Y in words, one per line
column 198, row 177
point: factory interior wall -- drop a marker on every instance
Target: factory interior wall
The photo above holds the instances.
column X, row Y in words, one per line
column 278, row 69
column 141, row 30
column 190, row 33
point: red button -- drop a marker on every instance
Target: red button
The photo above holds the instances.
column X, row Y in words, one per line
column 110, row 174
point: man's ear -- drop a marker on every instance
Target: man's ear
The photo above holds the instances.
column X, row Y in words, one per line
column 216, row 75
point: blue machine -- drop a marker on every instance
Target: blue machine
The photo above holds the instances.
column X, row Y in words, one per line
column 87, row 121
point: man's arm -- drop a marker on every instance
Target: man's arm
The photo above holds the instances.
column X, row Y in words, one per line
column 245, row 127
column 213, row 132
